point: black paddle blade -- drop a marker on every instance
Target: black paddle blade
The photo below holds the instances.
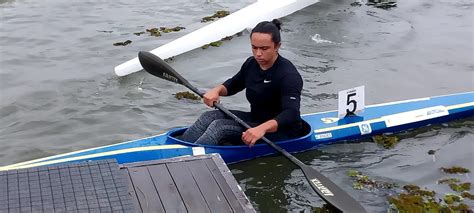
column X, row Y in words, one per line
column 159, row 68
column 330, row 192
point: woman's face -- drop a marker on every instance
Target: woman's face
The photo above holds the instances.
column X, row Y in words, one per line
column 263, row 49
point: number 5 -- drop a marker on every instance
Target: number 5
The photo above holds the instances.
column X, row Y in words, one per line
column 349, row 102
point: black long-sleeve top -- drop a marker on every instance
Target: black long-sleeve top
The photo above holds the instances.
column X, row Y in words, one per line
column 273, row 94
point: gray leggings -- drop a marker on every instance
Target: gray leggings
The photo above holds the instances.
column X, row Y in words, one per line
column 214, row 127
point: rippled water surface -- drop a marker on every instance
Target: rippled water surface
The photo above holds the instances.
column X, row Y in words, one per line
column 58, row 92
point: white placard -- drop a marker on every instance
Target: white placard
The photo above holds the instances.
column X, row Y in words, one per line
column 351, row 101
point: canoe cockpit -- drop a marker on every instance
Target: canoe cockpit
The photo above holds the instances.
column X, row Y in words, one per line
column 174, row 135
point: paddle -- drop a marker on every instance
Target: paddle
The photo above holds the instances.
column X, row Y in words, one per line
column 324, row 187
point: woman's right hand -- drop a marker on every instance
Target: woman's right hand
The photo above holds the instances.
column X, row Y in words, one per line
column 211, row 96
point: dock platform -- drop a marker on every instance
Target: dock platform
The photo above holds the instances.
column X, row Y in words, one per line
column 96, row 186
column 184, row 184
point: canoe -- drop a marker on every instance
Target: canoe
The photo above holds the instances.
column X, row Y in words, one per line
column 248, row 17
column 323, row 128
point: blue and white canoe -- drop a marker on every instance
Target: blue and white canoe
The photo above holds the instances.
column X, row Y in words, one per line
column 323, row 128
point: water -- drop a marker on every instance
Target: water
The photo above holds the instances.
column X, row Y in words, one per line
column 58, row 92
column 275, row 185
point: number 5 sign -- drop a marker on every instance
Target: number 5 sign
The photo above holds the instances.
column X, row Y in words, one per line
column 351, row 101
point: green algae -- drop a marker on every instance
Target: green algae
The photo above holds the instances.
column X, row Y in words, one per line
column 157, row 31
column 139, row 33
column 207, row 19
column 356, row 4
column 413, row 198
column 353, row 173
column 166, row 30
column 172, row 29
column 421, row 200
column 455, row 170
column 455, row 204
column 416, row 190
column 216, row 43
column 449, row 180
column 218, row 14
column 461, row 207
column 387, row 142
column 467, row 195
column 415, row 203
column 186, row 95
column 358, row 186
column 450, row 199
column 125, row 43
column 212, row 44
column 227, row 38
column 460, row 187
column 416, row 200
column 384, row 4
column 364, row 182
column 154, row 31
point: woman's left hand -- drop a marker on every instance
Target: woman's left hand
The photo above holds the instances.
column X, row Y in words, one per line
column 252, row 135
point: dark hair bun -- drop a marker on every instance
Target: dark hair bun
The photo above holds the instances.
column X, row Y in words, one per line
column 277, row 23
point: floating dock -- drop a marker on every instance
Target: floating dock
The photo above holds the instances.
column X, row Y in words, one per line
column 184, row 184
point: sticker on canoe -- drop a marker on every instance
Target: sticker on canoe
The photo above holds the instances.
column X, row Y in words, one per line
column 329, row 120
column 323, row 136
column 197, row 150
column 365, row 128
column 415, row 116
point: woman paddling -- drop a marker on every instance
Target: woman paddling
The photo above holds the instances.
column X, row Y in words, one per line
column 273, row 88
